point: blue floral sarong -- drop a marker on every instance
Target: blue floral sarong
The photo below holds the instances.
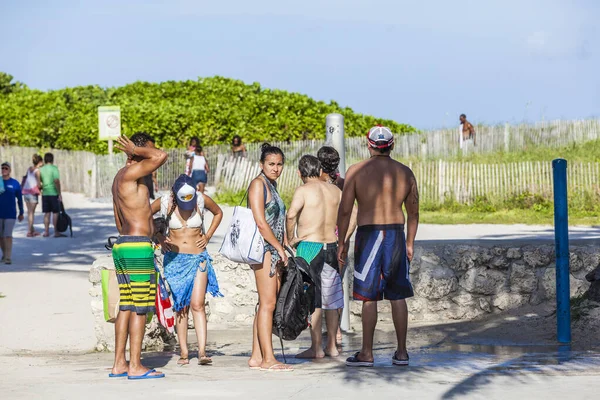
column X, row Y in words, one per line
column 180, row 273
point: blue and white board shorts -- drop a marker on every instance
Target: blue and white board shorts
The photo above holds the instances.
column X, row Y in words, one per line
column 381, row 265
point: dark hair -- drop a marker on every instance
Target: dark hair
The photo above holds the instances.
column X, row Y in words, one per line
column 383, row 150
column 330, row 160
column 266, row 150
column 198, row 149
column 141, row 139
column 36, row 159
column 463, row 115
column 48, row 158
column 309, row 167
column 236, row 137
column 195, row 139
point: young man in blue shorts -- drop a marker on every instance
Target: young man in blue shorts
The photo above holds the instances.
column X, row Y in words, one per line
column 382, row 253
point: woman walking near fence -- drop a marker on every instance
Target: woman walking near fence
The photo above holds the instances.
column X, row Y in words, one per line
column 199, row 168
column 238, row 149
column 31, row 191
column 269, row 213
column 187, row 265
column 189, row 153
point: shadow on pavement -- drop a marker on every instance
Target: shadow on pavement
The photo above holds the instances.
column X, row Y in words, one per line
column 91, row 229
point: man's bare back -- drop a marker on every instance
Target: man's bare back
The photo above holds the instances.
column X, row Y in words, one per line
column 381, row 186
column 131, row 206
column 318, row 216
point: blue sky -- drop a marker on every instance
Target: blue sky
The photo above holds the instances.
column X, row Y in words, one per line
column 421, row 63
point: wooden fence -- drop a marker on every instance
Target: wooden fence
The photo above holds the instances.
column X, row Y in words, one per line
column 77, row 168
column 91, row 174
column 439, row 181
column 444, row 144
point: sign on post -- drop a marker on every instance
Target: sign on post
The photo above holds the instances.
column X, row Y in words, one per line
column 109, row 124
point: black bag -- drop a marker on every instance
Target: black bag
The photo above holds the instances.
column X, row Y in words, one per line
column 64, row 221
column 295, row 300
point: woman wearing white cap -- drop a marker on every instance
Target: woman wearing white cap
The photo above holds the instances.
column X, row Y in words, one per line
column 187, row 265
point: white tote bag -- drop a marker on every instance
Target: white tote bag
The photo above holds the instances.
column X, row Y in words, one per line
column 243, row 243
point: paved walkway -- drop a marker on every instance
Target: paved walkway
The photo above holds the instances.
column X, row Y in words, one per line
column 47, row 337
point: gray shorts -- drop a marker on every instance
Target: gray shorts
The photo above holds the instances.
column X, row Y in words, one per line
column 6, row 227
column 31, row 198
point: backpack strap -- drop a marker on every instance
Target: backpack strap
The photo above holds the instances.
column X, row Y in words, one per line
column 248, row 200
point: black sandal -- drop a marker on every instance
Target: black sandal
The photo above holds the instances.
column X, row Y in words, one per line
column 355, row 362
column 397, row 361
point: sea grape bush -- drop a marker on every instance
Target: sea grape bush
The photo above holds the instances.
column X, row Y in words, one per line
column 214, row 109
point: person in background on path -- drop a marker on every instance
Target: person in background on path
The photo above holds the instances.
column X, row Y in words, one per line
column 330, row 160
column 381, row 186
column 189, row 153
column 133, row 253
column 51, row 194
column 31, row 192
column 187, row 265
column 200, row 170
column 268, row 211
column 238, row 149
column 467, row 132
column 8, row 211
column 311, row 225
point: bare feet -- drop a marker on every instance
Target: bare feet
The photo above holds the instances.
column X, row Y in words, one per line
column 338, row 338
column 310, row 354
column 141, row 370
column 332, row 352
column 254, row 363
column 46, row 234
column 183, row 361
column 204, row 360
column 120, row 368
column 276, row 366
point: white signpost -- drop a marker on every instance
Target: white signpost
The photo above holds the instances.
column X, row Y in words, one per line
column 109, row 124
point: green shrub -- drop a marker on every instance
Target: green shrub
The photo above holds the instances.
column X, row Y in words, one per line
column 214, row 109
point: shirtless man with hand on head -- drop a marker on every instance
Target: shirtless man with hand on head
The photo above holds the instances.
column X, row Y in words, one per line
column 133, row 253
column 311, row 222
column 381, row 186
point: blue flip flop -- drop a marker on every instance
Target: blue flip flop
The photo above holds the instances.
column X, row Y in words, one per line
column 123, row 375
column 147, row 375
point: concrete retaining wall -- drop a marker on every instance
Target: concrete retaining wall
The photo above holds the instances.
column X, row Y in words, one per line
column 451, row 282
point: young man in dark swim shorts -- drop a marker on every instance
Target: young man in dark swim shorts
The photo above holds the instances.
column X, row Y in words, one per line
column 380, row 186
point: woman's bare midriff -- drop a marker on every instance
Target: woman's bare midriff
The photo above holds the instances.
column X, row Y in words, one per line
column 184, row 240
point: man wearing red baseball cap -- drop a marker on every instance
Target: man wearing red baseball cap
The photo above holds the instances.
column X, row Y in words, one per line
column 380, row 186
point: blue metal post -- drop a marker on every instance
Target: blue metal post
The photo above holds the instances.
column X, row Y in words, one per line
column 561, row 239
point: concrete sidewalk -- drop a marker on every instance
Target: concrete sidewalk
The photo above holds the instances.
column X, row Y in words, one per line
column 436, row 372
column 47, row 337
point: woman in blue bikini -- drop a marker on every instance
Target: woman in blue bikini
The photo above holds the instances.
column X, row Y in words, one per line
column 187, row 265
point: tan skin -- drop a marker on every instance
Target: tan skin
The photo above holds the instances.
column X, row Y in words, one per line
column 32, row 206
column 339, row 182
column 312, row 217
column 468, row 130
column 237, row 146
column 262, row 345
column 191, row 241
column 133, row 217
column 385, row 185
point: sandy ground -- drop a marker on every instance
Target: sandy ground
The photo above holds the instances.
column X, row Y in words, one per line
column 46, row 336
